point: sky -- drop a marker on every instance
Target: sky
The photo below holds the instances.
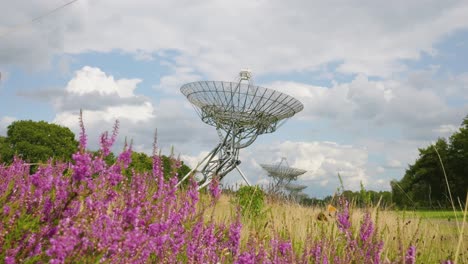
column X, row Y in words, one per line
column 378, row 79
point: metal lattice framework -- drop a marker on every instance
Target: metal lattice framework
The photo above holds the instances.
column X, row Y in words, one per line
column 295, row 188
column 295, row 191
column 241, row 112
column 281, row 173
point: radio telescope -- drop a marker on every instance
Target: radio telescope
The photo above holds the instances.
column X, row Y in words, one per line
column 295, row 190
column 281, row 173
column 240, row 112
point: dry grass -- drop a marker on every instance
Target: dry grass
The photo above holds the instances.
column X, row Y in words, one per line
column 435, row 239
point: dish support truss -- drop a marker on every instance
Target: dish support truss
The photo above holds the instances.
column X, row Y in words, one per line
column 238, row 121
column 223, row 158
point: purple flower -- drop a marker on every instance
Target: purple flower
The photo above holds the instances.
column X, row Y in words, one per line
column 10, row 260
column 284, row 247
column 367, row 228
column 106, row 142
column 6, row 209
column 214, row 188
column 410, row 257
column 125, row 157
column 316, row 252
column 343, row 218
column 234, row 236
column 82, row 166
column 83, row 139
column 246, row 258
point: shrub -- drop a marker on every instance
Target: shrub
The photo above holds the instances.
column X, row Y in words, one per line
column 251, row 200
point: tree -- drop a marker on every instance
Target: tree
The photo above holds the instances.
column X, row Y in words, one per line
column 425, row 181
column 458, row 161
column 37, row 142
column 423, row 184
column 5, row 150
column 144, row 163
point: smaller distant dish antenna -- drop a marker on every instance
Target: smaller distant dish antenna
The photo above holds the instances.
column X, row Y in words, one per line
column 240, row 112
column 295, row 188
column 282, row 174
column 295, row 191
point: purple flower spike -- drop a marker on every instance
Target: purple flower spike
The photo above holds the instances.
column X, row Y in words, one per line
column 214, row 189
column 410, row 257
column 367, row 228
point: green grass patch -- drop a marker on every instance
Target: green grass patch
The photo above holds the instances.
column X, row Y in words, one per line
column 436, row 214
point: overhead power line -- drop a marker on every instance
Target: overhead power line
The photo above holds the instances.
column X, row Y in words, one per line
column 48, row 13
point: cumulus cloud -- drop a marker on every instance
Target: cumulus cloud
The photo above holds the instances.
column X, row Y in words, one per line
column 446, row 129
column 171, row 83
column 217, row 38
column 105, row 99
column 322, row 160
column 32, row 44
column 393, row 163
column 5, row 121
column 417, row 112
column 109, row 99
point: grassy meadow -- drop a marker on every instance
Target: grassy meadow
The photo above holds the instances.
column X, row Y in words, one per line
column 434, row 233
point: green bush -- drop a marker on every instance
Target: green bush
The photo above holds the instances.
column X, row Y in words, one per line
column 251, row 200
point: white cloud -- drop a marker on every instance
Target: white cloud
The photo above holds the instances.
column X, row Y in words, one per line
column 5, row 121
column 380, row 169
column 171, row 84
column 393, row 163
column 446, row 129
column 105, row 99
column 217, row 38
column 418, row 112
column 322, row 160
column 89, row 80
column 89, row 83
column 33, row 44
column 193, row 161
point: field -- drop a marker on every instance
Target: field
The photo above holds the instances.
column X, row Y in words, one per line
column 448, row 215
column 434, row 233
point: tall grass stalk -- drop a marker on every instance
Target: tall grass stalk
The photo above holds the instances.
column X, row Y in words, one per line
column 460, row 237
column 448, row 187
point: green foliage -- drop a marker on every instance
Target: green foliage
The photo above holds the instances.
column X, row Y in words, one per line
column 251, row 200
column 458, row 161
column 23, row 226
column 424, row 183
column 36, row 142
column 365, row 198
column 143, row 163
column 5, row 150
column 436, row 214
column 364, row 195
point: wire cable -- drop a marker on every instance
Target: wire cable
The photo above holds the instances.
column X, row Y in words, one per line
column 48, row 13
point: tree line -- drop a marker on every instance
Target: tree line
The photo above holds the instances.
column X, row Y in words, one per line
column 438, row 176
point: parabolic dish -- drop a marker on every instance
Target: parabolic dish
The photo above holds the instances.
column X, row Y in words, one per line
column 222, row 104
column 282, row 171
column 295, row 187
